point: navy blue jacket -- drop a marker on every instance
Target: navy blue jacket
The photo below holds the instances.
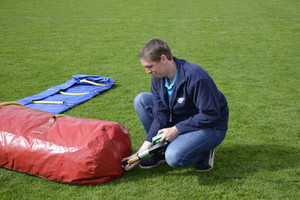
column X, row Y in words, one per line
column 195, row 102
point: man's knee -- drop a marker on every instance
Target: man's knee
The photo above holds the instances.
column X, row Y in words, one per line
column 141, row 99
column 173, row 159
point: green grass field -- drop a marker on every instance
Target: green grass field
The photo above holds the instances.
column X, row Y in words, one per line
column 251, row 49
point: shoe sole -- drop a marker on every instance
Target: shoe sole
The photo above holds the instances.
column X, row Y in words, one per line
column 149, row 167
column 203, row 170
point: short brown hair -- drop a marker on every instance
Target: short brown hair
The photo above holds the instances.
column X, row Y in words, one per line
column 153, row 50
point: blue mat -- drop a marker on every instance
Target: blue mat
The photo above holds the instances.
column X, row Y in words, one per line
column 65, row 96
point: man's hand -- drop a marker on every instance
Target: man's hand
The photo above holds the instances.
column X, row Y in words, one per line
column 131, row 165
column 144, row 146
column 169, row 134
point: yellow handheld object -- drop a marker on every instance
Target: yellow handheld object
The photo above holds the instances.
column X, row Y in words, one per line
column 133, row 159
column 160, row 146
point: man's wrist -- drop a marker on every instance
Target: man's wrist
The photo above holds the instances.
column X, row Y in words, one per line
column 175, row 129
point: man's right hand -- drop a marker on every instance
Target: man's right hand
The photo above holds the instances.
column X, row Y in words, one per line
column 128, row 167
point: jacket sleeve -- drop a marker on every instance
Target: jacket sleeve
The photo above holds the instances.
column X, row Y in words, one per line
column 160, row 112
column 205, row 96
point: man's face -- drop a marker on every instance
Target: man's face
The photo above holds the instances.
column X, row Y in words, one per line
column 156, row 69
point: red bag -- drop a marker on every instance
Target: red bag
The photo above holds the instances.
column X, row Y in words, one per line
column 61, row 148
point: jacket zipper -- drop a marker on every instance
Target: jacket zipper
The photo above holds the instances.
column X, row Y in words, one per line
column 171, row 116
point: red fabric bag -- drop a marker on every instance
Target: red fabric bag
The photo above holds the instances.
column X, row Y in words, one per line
column 61, row 148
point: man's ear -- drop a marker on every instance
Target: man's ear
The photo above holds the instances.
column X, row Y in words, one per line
column 163, row 58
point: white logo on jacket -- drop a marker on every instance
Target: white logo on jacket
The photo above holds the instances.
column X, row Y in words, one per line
column 180, row 100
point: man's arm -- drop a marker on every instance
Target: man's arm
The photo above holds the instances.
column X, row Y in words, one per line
column 160, row 110
column 205, row 96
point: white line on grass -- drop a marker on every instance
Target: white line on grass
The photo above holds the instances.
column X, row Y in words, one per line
column 143, row 20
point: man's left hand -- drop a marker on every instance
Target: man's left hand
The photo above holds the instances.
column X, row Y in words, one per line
column 169, row 134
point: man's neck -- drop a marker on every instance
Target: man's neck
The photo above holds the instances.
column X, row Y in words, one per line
column 172, row 72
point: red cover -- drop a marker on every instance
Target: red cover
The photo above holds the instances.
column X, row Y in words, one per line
column 65, row 149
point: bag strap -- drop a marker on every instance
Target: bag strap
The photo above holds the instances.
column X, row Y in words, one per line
column 66, row 93
column 91, row 82
column 45, row 126
column 47, row 102
column 11, row 103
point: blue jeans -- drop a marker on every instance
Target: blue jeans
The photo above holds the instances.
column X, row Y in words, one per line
column 188, row 148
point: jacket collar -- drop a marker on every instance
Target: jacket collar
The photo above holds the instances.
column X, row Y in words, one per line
column 181, row 78
column 181, row 73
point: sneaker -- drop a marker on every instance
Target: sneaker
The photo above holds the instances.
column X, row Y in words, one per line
column 154, row 161
column 207, row 164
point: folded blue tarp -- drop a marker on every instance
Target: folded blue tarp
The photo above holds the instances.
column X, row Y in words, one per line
column 65, row 96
